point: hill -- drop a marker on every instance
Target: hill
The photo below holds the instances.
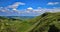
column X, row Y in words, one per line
column 47, row 22
column 13, row 25
column 20, row 17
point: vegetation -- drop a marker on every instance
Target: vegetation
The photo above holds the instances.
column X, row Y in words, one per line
column 47, row 22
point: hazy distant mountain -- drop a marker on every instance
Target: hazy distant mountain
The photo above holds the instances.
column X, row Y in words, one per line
column 21, row 17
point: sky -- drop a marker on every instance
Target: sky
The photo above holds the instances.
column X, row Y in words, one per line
column 28, row 7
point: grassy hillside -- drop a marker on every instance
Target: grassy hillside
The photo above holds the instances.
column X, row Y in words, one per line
column 46, row 22
column 13, row 25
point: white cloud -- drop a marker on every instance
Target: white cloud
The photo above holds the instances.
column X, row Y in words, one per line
column 11, row 8
column 15, row 5
column 3, row 9
column 53, row 3
column 29, row 8
column 43, row 10
column 55, row 10
column 32, row 11
column 14, row 9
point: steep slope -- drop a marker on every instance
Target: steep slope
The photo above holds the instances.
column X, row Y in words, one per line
column 45, row 22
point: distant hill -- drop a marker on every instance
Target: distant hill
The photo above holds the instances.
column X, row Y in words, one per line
column 21, row 17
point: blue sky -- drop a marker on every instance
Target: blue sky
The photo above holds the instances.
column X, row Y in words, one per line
column 30, row 6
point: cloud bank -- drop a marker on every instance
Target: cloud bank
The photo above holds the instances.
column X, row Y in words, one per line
column 11, row 10
column 15, row 5
column 53, row 3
